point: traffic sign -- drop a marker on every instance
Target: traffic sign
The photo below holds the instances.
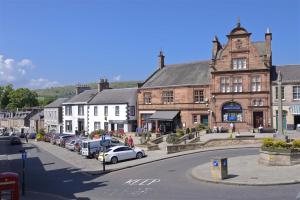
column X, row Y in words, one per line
column 24, row 155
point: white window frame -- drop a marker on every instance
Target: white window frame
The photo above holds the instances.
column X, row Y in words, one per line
column 297, row 93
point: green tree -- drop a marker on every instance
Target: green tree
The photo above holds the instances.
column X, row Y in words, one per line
column 4, row 95
column 22, row 97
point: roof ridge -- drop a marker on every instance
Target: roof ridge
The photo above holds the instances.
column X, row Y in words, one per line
column 191, row 62
column 282, row 65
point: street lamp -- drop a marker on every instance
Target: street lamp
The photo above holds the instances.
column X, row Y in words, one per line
column 279, row 118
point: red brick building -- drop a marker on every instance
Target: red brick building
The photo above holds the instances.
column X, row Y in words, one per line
column 233, row 87
column 240, row 81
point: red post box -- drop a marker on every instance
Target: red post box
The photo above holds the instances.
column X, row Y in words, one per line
column 10, row 182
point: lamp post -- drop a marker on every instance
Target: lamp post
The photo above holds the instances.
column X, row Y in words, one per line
column 279, row 117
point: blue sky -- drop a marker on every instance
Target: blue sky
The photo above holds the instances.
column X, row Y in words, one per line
column 58, row 42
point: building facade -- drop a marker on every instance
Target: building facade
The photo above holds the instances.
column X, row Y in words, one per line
column 53, row 116
column 174, row 96
column 233, row 87
column 37, row 122
column 113, row 110
column 241, row 81
column 290, row 96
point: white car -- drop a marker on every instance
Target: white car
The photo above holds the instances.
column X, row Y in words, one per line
column 118, row 153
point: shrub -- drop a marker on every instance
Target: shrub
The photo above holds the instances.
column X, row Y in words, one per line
column 280, row 144
column 39, row 137
column 41, row 131
column 191, row 136
column 268, row 142
column 179, row 132
column 202, row 127
column 172, row 139
column 296, row 144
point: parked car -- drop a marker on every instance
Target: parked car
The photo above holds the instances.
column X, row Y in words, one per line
column 78, row 144
column 32, row 136
column 90, row 148
column 47, row 137
column 54, row 137
column 63, row 139
column 70, row 143
column 14, row 139
column 118, row 153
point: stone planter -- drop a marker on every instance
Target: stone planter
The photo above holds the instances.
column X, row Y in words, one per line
column 279, row 157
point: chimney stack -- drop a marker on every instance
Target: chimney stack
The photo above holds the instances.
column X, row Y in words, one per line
column 216, row 47
column 103, row 84
column 161, row 60
column 81, row 88
column 268, row 38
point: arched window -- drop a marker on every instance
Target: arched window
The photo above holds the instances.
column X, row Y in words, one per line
column 232, row 112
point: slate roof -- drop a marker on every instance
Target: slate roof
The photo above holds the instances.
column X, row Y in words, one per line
column 290, row 73
column 38, row 116
column 115, row 96
column 57, row 103
column 259, row 45
column 83, row 97
column 194, row 73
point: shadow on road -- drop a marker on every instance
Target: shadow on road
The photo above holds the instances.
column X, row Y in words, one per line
column 49, row 177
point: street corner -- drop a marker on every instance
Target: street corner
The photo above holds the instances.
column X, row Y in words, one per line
column 246, row 171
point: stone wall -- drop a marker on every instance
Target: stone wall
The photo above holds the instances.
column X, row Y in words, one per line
column 210, row 143
column 278, row 158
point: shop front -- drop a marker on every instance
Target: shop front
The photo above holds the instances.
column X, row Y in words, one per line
column 165, row 121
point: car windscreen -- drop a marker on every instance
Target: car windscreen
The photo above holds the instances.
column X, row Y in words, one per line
column 85, row 145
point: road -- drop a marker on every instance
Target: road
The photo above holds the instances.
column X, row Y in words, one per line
column 167, row 179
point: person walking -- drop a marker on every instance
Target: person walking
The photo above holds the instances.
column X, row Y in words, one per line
column 130, row 141
column 126, row 142
column 26, row 137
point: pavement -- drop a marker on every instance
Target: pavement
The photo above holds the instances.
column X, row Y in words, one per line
column 94, row 167
column 245, row 170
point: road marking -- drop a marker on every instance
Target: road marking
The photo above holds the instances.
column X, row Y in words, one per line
column 298, row 196
column 132, row 182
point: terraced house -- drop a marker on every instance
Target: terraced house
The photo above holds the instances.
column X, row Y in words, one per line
column 234, row 86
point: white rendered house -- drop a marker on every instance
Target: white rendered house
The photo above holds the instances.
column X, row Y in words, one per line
column 75, row 112
column 113, row 110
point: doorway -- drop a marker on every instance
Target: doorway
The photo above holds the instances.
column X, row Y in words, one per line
column 112, row 127
column 258, row 119
column 296, row 120
column 80, row 125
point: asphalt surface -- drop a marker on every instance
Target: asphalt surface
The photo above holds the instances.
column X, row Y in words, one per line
column 167, row 179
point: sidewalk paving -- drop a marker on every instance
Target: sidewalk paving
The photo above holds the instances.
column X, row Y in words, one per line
column 245, row 170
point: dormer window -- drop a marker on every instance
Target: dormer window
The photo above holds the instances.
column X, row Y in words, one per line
column 239, row 63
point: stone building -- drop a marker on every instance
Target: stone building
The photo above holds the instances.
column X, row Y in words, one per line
column 174, row 96
column 37, row 122
column 290, row 96
column 233, row 87
column 240, row 81
column 53, row 116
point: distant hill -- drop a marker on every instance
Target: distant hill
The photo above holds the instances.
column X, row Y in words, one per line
column 69, row 90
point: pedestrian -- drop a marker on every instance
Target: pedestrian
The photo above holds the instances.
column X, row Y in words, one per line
column 231, row 127
column 26, row 137
column 126, row 141
column 130, row 141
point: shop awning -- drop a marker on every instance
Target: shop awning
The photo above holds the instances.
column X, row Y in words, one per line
column 295, row 109
column 164, row 115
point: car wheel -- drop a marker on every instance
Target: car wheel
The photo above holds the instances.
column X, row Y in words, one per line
column 114, row 160
column 139, row 155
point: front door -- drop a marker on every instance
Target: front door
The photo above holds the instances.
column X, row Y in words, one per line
column 80, row 125
column 106, row 126
column 258, row 119
column 112, row 127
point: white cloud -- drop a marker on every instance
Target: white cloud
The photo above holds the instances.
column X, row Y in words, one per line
column 117, row 78
column 42, row 83
column 18, row 73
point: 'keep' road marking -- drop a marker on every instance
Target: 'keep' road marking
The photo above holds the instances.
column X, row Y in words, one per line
column 141, row 181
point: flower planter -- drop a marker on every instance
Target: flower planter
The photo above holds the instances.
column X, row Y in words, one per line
column 279, row 156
